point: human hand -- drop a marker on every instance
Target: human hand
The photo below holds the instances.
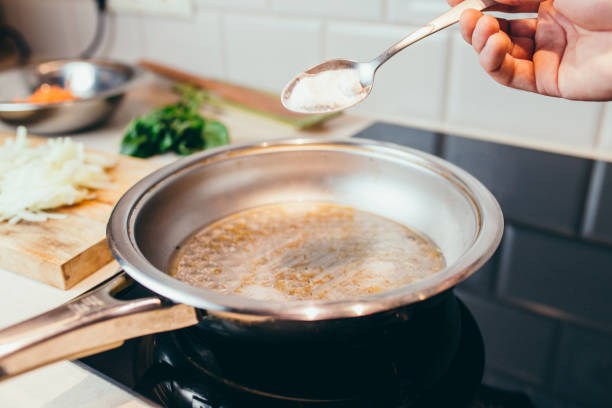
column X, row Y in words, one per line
column 565, row 52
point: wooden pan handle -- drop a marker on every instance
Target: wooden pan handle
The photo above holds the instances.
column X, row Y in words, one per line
column 89, row 324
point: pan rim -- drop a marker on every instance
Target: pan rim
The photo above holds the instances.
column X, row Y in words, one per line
column 121, row 239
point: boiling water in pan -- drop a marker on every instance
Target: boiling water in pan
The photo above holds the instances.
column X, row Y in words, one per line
column 301, row 251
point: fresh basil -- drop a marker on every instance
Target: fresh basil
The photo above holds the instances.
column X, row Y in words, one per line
column 175, row 128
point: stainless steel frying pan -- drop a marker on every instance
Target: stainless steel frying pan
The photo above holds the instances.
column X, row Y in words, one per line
column 419, row 190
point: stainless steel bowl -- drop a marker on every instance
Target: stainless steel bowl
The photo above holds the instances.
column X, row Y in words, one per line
column 99, row 84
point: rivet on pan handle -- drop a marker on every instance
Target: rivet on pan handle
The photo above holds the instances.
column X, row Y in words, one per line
column 88, row 324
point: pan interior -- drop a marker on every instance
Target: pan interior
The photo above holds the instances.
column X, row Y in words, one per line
column 406, row 189
column 305, row 251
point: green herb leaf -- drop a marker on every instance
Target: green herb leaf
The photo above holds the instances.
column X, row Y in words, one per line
column 178, row 127
column 215, row 134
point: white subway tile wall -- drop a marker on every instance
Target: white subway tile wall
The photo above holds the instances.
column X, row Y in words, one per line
column 267, row 52
column 415, row 11
column 124, row 38
column 263, row 43
column 196, row 43
column 234, row 4
column 356, row 9
column 411, row 84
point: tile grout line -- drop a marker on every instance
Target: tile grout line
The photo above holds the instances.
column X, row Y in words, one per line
column 600, row 127
column 324, row 34
column 141, row 36
column 447, row 77
column 107, row 37
column 552, row 360
column 223, row 41
column 385, row 11
column 592, row 197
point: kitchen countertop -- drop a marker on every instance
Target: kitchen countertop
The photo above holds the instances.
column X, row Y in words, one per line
column 66, row 384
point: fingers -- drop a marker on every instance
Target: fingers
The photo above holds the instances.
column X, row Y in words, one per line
column 486, row 26
column 522, row 48
column 493, row 53
column 523, row 27
column 505, row 48
column 516, row 73
column 468, row 22
column 476, row 28
column 522, row 34
column 515, row 28
column 551, row 44
column 498, row 60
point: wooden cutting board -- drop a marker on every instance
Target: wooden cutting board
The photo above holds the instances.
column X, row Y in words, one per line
column 62, row 252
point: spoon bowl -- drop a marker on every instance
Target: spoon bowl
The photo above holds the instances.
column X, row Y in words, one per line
column 328, row 87
column 339, row 84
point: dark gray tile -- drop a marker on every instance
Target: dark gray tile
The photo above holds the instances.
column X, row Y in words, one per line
column 503, row 381
column 481, row 282
column 584, row 370
column 598, row 213
column 566, row 275
column 543, row 399
column 516, row 342
column 538, row 188
column 540, row 398
column 405, row 136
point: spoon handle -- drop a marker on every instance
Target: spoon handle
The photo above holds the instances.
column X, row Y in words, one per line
column 449, row 18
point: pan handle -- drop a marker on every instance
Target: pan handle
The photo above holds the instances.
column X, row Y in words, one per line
column 86, row 325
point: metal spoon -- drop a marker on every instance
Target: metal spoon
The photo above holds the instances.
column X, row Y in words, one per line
column 339, row 84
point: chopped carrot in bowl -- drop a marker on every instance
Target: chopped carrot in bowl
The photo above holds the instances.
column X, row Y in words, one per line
column 48, row 94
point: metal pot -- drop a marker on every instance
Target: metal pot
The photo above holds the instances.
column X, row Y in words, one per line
column 419, row 190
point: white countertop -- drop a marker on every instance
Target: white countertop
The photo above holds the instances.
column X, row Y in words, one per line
column 66, row 384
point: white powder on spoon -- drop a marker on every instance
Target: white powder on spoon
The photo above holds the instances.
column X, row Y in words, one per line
column 326, row 91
